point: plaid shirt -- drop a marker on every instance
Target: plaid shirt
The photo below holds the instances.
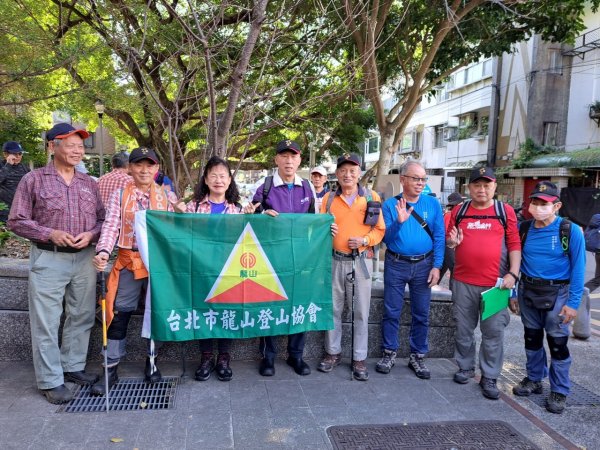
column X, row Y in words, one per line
column 204, row 207
column 112, row 224
column 44, row 202
column 111, row 182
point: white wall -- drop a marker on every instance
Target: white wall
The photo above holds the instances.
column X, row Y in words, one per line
column 583, row 132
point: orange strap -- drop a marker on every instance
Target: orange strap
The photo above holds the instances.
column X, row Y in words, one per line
column 126, row 259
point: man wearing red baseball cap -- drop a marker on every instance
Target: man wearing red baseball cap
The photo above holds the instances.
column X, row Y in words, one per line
column 552, row 275
column 61, row 212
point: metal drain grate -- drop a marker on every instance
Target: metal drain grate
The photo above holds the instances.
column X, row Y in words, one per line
column 578, row 397
column 488, row 434
column 129, row 394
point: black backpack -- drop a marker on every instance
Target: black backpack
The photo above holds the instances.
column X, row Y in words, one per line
column 564, row 234
column 498, row 208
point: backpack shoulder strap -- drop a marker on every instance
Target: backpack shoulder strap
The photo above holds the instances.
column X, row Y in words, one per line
column 564, row 233
column 500, row 212
column 307, row 188
column 267, row 185
column 330, row 198
column 462, row 211
column 523, row 230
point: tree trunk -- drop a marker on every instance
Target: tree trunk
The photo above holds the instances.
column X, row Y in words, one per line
column 386, row 151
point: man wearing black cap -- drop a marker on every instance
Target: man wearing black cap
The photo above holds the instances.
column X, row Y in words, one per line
column 552, row 275
column 354, row 236
column 129, row 276
column 11, row 172
column 484, row 234
column 284, row 192
column 60, row 211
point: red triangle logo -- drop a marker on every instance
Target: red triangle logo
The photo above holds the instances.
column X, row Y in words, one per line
column 248, row 291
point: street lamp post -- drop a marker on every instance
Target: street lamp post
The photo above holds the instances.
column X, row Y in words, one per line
column 100, row 110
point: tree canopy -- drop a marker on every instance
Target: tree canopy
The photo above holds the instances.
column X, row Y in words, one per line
column 193, row 78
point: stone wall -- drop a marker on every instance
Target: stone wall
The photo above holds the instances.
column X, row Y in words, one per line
column 15, row 338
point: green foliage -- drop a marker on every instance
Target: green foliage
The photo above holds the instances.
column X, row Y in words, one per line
column 22, row 127
column 5, row 234
column 527, row 152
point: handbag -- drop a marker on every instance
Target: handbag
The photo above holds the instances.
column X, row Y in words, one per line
column 542, row 297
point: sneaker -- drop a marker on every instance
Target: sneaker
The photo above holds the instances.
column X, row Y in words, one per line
column 416, row 361
column 359, row 370
column 329, row 362
column 463, row 376
column 556, row 402
column 489, row 388
column 527, row 387
column 387, row 361
column 224, row 372
column 207, row 365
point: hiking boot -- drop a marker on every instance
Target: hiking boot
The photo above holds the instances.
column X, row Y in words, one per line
column 267, row 367
column 416, row 361
column 57, row 395
column 151, row 375
column 329, row 362
column 556, row 402
column 386, row 362
column 359, row 370
column 81, row 377
column 224, row 372
column 527, row 387
column 489, row 388
column 99, row 388
column 298, row 364
column 463, row 376
column 207, row 365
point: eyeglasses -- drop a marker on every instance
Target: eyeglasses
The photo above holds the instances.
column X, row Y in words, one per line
column 417, row 179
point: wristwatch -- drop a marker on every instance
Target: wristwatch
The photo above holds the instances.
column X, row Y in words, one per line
column 365, row 242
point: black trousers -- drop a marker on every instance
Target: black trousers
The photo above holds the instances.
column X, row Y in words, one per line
column 295, row 346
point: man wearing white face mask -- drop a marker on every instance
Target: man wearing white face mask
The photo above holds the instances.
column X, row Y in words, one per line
column 550, row 289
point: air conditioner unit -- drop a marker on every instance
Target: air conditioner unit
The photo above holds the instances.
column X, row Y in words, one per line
column 449, row 133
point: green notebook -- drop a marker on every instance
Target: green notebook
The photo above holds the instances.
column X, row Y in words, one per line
column 493, row 300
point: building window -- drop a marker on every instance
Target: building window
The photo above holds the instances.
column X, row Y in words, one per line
column 554, row 61
column 550, row 133
column 373, row 146
column 438, row 136
column 417, row 141
column 487, row 68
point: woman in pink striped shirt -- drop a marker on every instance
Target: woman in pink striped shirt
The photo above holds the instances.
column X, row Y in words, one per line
column 216, row 193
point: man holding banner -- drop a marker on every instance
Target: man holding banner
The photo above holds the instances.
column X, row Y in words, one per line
column 358, row 227
column 287, row 193
column 129, row 276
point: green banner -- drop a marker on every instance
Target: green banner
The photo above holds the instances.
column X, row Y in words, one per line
column 238, row 276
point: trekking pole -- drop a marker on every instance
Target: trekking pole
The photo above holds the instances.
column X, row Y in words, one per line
column 104, row 336
column 351, row 278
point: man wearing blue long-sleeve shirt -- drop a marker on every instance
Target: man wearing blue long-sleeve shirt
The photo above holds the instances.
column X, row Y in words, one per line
column 415, row 241
column 552, row 272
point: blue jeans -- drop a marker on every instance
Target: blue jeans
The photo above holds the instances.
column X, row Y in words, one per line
column 537, row 365
column 397, row 274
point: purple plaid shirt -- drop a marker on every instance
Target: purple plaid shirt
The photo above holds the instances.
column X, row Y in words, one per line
column 44, row 202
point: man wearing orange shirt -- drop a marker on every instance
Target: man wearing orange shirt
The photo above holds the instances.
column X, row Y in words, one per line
column 354, row 237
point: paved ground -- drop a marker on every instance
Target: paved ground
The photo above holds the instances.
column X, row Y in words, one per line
column 288, row 411
column 292, row 412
